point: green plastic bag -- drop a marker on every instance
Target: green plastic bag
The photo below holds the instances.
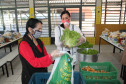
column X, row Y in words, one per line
column 62, row 72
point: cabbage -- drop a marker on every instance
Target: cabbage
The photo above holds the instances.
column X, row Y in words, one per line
column 71, row 38
column 86, row 45
column 90, row 52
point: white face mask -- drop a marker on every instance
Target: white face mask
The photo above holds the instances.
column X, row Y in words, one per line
column 37, row 34
column 66, row 23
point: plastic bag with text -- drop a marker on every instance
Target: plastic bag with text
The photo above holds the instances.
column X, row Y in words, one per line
column 62, row 72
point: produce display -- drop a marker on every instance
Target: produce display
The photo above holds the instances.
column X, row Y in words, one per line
column 86, row 45
column 16, row 35
column 106, row 32
column 118, row 37
column 1, row 39
column 9, row 36
column 90, row 52
column 88, row 68
column 71, row 38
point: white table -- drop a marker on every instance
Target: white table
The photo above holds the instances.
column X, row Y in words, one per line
column 9, row 44
column 115, row 45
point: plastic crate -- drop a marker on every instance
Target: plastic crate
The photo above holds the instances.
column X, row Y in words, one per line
column 102, row 82
column 41, row 78
column 105, row 66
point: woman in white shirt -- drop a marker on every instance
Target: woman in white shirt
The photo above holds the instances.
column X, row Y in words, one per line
column 65, row 16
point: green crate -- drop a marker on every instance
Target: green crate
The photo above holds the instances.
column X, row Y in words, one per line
column 102, row 82
column 105, row 66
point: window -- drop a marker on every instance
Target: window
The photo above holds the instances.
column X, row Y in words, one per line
column 9, row 20
column 7, row 3
column 88, row 24
column 113, row 12
column 23, row 16
column 75, row 18
column 41, row 13
column 1, row 22
column 22, row 3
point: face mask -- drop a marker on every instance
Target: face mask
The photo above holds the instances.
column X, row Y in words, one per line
column 37, row 34
column 67, row 22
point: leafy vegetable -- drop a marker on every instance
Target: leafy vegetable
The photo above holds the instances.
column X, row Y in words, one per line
column 85, row 45
column 89, row 52
column 71, row 38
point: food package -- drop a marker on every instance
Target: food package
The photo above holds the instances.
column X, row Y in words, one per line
column 1, row 39
column 8, row 35
column 105, row 32
column 114, row 34
column 123, row 35
column 16, row 35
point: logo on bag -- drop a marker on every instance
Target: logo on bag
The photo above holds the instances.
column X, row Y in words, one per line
column 68, row 60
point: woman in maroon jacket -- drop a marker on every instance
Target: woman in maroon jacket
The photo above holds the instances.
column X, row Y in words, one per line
column 33, row 55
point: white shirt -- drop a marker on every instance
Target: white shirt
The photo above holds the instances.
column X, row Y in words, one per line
column 59, row 33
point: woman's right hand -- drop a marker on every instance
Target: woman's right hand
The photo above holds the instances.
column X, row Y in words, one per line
column 56, row 53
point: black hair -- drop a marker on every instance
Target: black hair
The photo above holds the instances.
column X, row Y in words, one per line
column 65, row 12
column 32, row 22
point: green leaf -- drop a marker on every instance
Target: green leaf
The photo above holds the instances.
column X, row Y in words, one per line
column 71, row 38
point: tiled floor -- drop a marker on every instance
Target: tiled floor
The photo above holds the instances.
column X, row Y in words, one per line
column 106, row 55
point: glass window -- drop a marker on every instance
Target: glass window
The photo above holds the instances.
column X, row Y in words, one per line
column 22, row 3
column 41, row 13
column 88, row 23
column 23, row 16
column 113, row 12
column 41, row 3
column 7, row 3
column 55, row 19
column 1, row 22
column 9, row 20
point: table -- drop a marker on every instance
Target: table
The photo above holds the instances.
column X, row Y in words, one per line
column 9, row 44
column 115, row 45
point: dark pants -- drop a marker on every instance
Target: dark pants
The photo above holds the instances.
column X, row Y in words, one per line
column 25, row 78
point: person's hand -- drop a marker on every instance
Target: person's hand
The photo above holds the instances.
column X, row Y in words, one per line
column 81, row 40
column 62, row 44
column 56, row 53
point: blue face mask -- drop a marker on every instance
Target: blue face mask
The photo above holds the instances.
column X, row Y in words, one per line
column 37, row 34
